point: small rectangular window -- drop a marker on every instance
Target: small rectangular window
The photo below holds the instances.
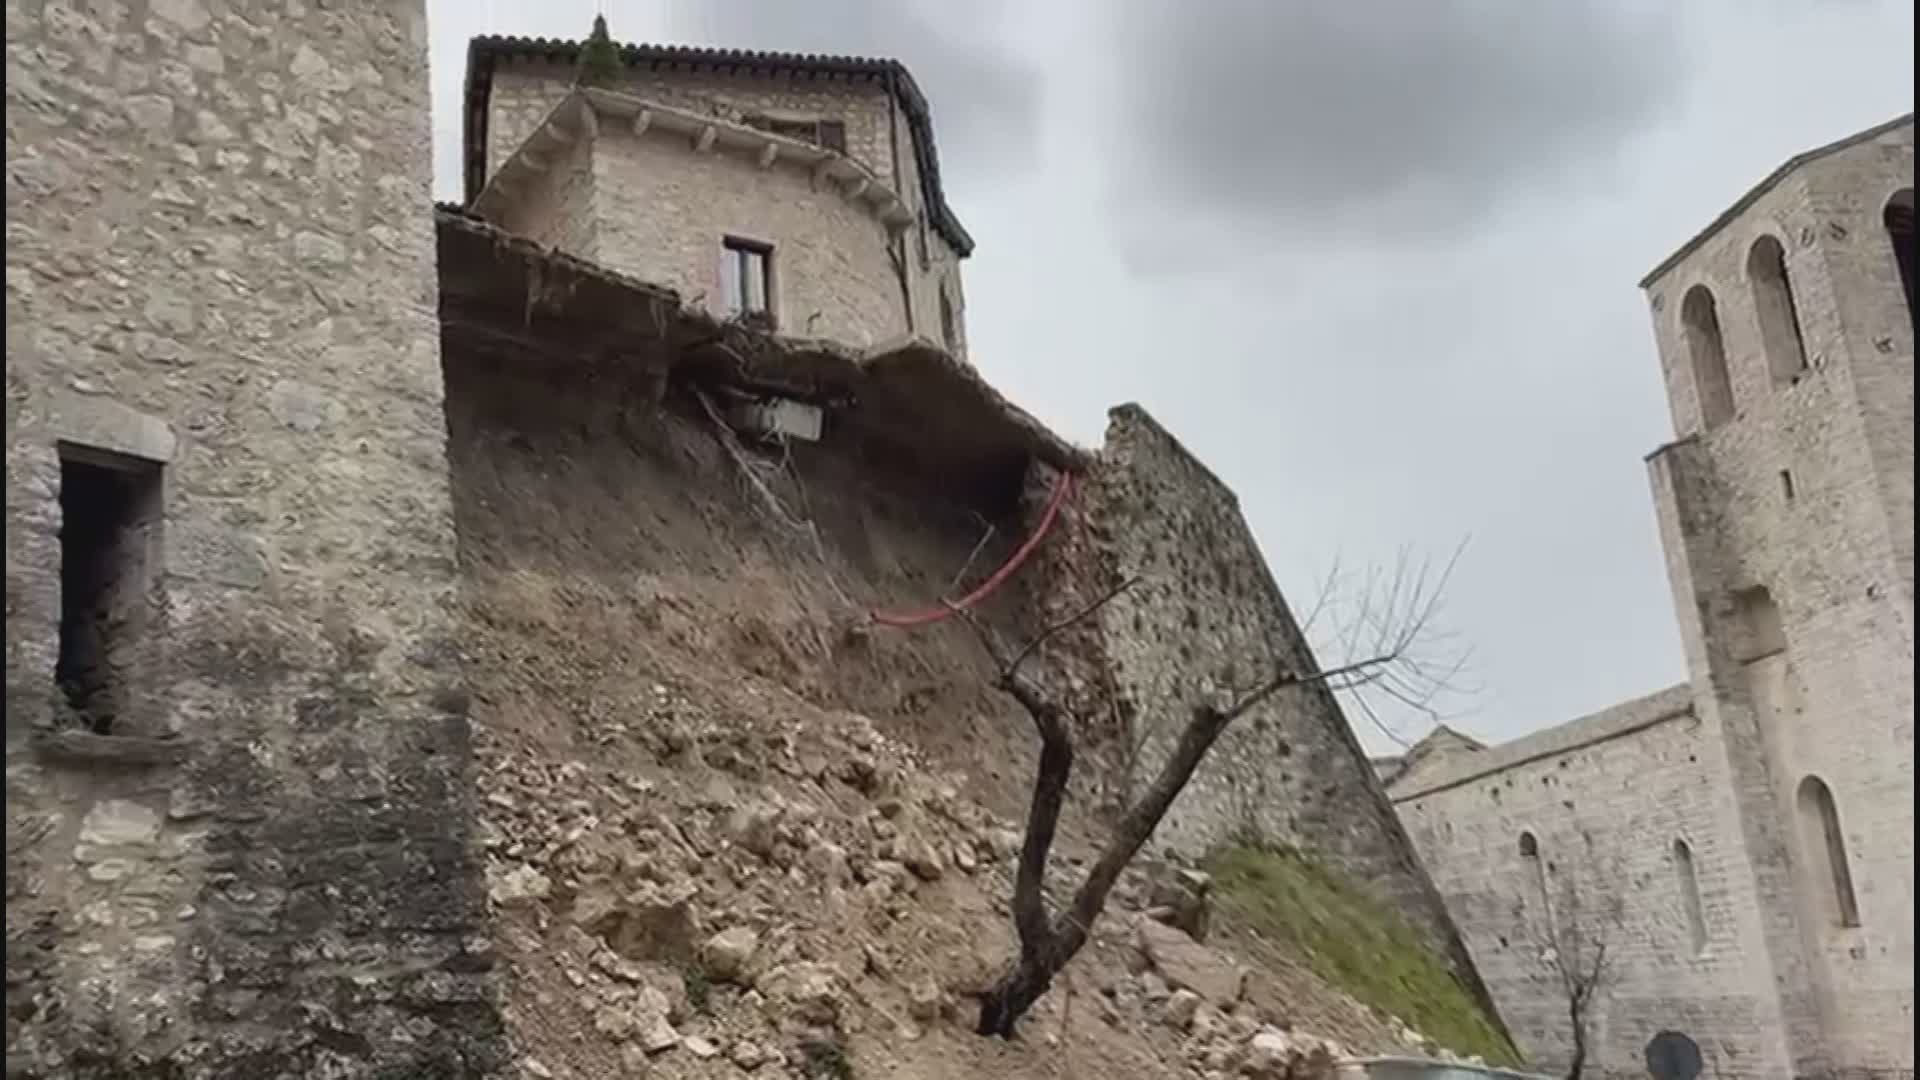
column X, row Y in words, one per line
column 833, row 136
column 829, row 134
column 747, row 280
column 110, row 509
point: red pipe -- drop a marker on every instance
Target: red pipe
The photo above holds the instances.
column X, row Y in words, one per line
column 1062, row 490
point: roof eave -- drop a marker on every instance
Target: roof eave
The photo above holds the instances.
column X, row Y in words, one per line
column 483, row 51
column 1772, row 180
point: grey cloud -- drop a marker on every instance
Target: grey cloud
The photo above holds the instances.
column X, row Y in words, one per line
column 1414, row 116
column 984, row 97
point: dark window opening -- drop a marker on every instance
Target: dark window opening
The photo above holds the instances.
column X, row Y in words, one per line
column 828, row 134
column 109, row 514
column 1786, row 483
column 832, row 134
column 948, row 329
column 1898, row 218
column 1780, row 334
column 746, row 281
column 1700, row 318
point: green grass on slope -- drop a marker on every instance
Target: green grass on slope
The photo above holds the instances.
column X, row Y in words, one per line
column 1355, row 944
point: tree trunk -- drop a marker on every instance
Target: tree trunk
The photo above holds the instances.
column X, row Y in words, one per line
column 1017, row 990
column 1047, row 944
column 1579, row 1062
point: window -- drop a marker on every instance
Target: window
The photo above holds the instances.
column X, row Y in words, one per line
column 828, row 134
column 746, row 280
column 109, row 513
column 1898, row 217
column 1530, row 853
column 948, row 329
column 1758, row 631
column 1826, row 850
column 1700, row 320
column 1779, row 320
column 1690, row 895
column 832, row 135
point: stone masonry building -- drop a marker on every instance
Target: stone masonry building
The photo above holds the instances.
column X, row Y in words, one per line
column 277, row 427
column 1742, row 842
column 800, row 191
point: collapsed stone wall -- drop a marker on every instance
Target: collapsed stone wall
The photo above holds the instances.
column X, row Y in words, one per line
column 638, row 510
column 219, row 279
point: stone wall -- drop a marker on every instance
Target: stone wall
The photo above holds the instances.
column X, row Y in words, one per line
column 525, row 90
column 666, row 211
column 1607, row 800
column 1206, row 620
column 879, row 137
column 558, row 208
column 219, row 270
column 1788, row 533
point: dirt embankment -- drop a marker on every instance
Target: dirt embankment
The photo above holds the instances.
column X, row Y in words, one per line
column 733, row 831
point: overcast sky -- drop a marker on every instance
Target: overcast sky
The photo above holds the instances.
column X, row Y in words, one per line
column 1373, row 260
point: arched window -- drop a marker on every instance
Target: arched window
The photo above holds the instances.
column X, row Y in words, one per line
column 1700, row 319
column 1758, row 630
column 1690, row 896
column 1826, row 849
column 1537, row 870
column 1898, row 217
column 1779, row 320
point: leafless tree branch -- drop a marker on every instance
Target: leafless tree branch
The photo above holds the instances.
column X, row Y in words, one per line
column 1383, row 638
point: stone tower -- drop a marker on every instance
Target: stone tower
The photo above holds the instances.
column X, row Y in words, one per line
column 236, row 742
column 1786, row 336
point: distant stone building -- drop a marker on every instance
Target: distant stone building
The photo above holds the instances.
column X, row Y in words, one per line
column 1742, row 841
column 799, row 192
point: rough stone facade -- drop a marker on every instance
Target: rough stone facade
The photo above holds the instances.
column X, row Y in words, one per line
column 840, row 273
column 220, row 289
column 1786, row 510
column 1205, row 622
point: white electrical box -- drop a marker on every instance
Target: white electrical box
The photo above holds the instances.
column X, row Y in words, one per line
column 781, row 417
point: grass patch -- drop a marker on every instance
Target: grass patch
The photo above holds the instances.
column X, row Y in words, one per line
column 1354, row 943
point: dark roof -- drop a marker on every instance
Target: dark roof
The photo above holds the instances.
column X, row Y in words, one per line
column 483, row 52
column 1766, row 185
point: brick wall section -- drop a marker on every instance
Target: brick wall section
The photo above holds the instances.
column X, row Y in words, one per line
column 677, row 248
column 1831, row 561
column 1205, row 619
column 219, row 254
column 1605, row 797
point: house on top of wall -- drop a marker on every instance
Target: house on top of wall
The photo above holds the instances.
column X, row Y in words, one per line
column 795, row 194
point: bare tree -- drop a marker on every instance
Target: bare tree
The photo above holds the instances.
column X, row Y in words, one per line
column 1574, row 929
column 1386, row 634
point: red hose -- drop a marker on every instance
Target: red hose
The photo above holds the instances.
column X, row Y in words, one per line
column 1062, row 490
